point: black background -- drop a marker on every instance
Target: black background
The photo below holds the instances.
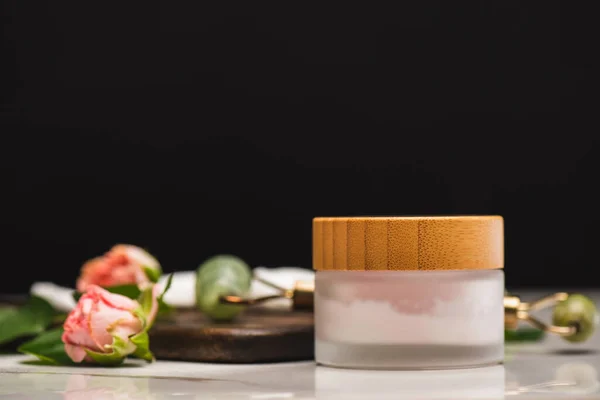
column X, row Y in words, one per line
column 194, row 128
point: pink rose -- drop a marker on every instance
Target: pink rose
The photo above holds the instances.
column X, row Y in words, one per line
column 104, row 327
column 122, row 265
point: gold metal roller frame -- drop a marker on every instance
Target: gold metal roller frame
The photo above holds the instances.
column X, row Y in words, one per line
column 515, row 310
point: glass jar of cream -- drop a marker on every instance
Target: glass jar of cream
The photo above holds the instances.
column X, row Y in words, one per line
column 409, row 292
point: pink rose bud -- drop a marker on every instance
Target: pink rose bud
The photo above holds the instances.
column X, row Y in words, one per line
column 122, row 265
column 106, row 327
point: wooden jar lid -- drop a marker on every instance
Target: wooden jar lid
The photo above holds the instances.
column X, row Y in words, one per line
column 408, row 243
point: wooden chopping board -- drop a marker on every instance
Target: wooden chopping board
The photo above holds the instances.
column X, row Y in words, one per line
column 257, row 335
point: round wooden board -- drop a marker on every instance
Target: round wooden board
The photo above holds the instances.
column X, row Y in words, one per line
column 257, row 335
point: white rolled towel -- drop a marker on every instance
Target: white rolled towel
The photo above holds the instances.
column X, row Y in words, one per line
column 183, row 292
column 60, row 297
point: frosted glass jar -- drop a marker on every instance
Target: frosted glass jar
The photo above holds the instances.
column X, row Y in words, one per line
column 409, row 292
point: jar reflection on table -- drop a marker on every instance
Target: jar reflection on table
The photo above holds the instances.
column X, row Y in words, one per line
column 348, row 384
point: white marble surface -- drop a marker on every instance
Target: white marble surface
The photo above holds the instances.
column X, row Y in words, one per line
column 552, row 369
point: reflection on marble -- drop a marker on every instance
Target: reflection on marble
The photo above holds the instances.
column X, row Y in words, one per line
column 338, row 384
column 575, row 378
column 307, row 381
column 88, row 387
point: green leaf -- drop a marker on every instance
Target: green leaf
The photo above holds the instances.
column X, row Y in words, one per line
column 48, row 347
column 5, row 311
column 7, row 314
column 167, row 286
column 145, row 300
column 131, row 291
column 41, row 309
column 152, row 273
column 142, row 343
column 59, row 319
column 164, row 308
column 31, row 319
column 523, row 335
column 106, row 359
column 120, row 349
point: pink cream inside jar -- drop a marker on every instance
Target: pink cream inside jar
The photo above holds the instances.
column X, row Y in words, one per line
column 444, row 318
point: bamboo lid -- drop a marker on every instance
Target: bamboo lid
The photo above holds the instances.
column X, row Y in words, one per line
column 408, row 243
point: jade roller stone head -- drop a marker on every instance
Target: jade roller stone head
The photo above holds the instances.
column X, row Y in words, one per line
column 221, row 275
column 578, row 311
